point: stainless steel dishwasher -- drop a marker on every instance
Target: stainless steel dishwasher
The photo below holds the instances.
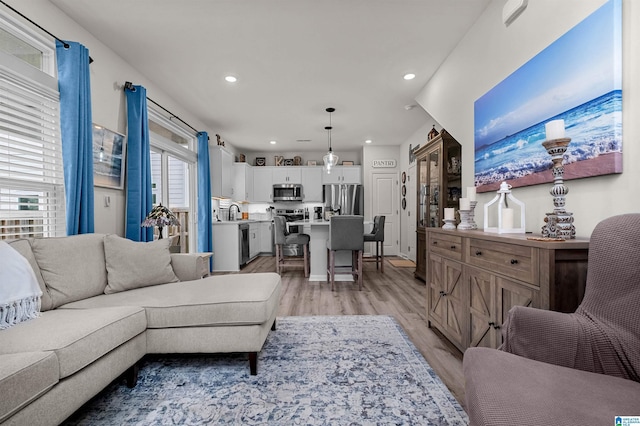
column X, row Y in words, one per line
column 243, row 230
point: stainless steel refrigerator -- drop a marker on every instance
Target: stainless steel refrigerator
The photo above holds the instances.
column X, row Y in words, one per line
column 344, row 198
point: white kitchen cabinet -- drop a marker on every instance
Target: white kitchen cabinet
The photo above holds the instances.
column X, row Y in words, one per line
column 222, row 173
column 243, row 182
column 343, row 174
column 262, row 184
column 266, row 239
column 254, row 239
column 351, row 174
column 312, row 184
column 287, row 174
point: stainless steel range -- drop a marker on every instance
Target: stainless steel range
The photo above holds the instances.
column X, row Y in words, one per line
column 292, row 215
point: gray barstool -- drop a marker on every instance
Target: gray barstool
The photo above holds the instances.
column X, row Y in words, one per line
column 377, row 236
column 345, row 233
column 282, row 237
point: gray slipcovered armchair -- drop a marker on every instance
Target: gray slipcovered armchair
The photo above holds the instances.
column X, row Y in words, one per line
column 579, row 368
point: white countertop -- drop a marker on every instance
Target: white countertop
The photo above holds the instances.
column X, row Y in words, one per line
column 238, row 222
column 308, row 222
column 319, row 222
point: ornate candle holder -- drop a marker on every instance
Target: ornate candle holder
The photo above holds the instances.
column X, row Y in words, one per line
column 465, row 223
column 472, row 215
column 449, row 224
column 559, row 223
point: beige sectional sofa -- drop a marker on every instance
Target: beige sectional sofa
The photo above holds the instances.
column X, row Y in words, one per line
column 106, row 303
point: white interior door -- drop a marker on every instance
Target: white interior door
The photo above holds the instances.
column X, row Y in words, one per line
column 385, row 200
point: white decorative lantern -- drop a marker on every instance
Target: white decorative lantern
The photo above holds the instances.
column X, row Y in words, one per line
column 508, row 209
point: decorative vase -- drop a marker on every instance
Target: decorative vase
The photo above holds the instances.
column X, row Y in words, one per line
column 432, row 133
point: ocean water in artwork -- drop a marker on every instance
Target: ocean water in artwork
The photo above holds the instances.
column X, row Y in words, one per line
column 595, row 128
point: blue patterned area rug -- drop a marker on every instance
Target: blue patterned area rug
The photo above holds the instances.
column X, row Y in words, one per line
column 347, row 370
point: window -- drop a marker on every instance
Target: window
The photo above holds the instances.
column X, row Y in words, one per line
column 31, row 175
column 173, row 176
column 26, row 47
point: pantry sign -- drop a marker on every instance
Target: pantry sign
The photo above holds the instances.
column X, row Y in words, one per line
column 383, row 163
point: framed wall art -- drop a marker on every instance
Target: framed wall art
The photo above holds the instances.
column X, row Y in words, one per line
column 578, row 79
column 109, row 150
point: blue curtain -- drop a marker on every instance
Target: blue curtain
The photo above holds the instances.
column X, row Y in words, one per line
column 77, row 135
column 205, row 233
column 139, row 201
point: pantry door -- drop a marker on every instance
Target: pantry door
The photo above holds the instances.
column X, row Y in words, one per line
column 384, row 202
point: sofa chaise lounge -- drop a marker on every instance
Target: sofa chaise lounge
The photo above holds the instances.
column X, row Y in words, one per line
column 106, row 302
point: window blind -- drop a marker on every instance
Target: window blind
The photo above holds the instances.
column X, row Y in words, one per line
column 31, row 174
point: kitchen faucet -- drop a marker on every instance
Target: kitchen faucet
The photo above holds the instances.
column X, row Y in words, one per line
column 232, row 215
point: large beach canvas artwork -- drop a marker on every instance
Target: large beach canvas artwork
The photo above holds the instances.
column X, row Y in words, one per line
column 578, row 78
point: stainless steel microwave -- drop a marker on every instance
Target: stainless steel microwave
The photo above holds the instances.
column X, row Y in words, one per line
column 287, row 192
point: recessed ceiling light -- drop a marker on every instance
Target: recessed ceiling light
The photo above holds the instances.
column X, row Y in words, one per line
column 230, row 79
column 409, row 76
column 272, row 142
column 368, row 141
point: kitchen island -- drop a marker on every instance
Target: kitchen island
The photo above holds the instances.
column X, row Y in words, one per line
column 228, row 241
column 318, row 231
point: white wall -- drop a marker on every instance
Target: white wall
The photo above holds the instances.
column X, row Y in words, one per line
column 407, row 237
column 108, row 74
column 489, row 53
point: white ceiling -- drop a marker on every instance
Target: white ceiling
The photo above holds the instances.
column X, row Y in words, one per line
column 292, row 58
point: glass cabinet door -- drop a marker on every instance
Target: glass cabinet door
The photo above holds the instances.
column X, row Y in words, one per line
column 435, row 185
column 423, row 200
column 453, row 173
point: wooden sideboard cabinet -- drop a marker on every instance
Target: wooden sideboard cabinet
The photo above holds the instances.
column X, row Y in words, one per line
column 474, row 278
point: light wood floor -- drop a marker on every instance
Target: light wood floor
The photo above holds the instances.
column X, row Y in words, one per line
column 396, row 293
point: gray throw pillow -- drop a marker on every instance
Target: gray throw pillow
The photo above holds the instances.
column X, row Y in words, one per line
column 72, row 267
column 133, row 264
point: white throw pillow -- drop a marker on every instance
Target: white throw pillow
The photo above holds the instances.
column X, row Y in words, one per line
column 23, row 246
column 133, row 264
column 19, row 289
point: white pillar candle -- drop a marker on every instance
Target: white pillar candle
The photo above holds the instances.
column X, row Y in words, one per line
column 465, row 204
column 554, row 129
column 507, row 218
column 471, row 193
column 450, row 213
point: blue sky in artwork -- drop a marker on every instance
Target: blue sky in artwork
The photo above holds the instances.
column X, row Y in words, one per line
column 578, row 67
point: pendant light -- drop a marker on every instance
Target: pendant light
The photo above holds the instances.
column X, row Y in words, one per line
column 331, row 159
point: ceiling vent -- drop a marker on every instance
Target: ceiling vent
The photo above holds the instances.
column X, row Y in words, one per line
column 303, row 140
